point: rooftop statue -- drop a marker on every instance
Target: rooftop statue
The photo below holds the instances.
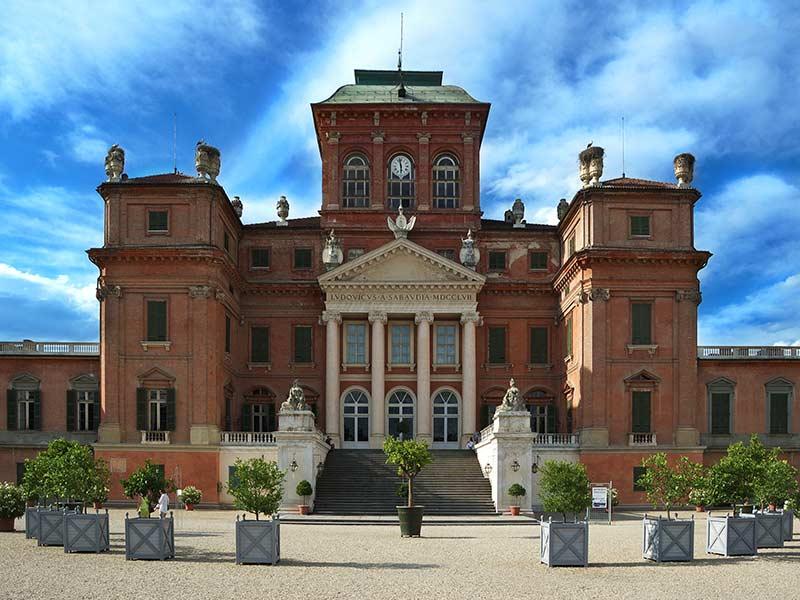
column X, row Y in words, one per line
column 296, row 399
column 283, row 211
column 469, row 254
column 512, row 401
column 115, row 163
column 401, row 226
column 332, row 255
column 207, row 161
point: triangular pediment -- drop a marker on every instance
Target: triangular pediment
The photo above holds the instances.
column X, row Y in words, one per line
column 643, row 377
column 402, row 262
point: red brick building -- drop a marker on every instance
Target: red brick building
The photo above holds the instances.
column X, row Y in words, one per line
column 205, row 321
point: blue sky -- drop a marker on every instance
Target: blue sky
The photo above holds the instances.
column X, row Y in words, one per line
column 718, row 79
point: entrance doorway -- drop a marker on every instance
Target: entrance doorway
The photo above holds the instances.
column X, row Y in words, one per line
column 401, row 415
column 355, row 410
column 445, row 419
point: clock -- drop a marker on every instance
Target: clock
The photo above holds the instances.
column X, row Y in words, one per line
column 401, row 167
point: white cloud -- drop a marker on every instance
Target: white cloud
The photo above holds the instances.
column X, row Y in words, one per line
column 88, row 144
column 80, row 295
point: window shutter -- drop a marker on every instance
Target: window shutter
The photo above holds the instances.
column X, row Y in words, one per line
column 538, row 345
column 778, row 413
column 247, row 417
column 552, row 422
column 641, row 412
column 156, row 321
column 141, row 409
column 11, row 408
column 170, row 425
column 96, row 415
column 72, row 408
column 37, row 409
column 497, row 345
column 641, row 317
column 720, row 413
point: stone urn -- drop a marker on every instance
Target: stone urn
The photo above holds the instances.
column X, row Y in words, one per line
column 207, row 161
column 115, row 163
column 283, row 210
column 593, row 156
column 684, row 169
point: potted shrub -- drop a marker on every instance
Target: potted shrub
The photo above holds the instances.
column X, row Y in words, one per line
column 12, row 505
column 146, row 538
column 257, row 488
column 191, row 496
column 776, row 482
column 564, row 488
column 667, row 540
column 303, row 490
column 515, row 491
column 410, row 457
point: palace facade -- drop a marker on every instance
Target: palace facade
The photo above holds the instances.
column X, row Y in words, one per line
column 399, row 309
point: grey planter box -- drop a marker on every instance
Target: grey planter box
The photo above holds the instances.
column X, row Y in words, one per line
column 86, row 532
column 149, row 539
column 769, row 529
column 258, row 542
column 51, row 527
column 564, row 544
column 731, row 536
column 667, row 541
column 788, row 525
column 32, row 522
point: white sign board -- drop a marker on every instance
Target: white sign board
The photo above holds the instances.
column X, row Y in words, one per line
column 599, row 497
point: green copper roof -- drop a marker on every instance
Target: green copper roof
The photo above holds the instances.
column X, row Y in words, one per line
column 366, row 77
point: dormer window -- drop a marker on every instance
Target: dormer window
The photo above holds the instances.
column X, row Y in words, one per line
column 446, row 182
column 355, row 182
column 400, row 183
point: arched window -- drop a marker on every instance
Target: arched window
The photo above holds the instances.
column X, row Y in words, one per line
column 400, row 182
column 543, row 411
column 446, row 182
column 355, row 407
column 401, row 415
column 258, row 411
column 355, row 182
column 445, row 419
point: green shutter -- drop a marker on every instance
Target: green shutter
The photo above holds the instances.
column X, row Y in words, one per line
column 720, row 413
column 779, row 413
column 538, row 345
column 141, row 409
column 568, row 336
column 170, row 425
column 641, row 323
column 302, row 344
column 96, row 415
column 11, row 408
column 497, row 345
column 259, row 345
column 156, row 321
column 72, row 409
column 37, row 409
column 247, row 418
column 552, row 422
column 641, row 412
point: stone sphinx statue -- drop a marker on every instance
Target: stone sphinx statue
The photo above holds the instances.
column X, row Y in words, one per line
column 512, row 401
column 115, row 163
column 296, row 399
column 207, row 161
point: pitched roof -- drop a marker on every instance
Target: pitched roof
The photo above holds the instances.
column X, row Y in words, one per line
column 498, row 225
column 638, row 183
column 164, row 178
column 387, row 94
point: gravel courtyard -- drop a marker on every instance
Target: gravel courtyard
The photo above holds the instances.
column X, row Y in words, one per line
column 364, row 561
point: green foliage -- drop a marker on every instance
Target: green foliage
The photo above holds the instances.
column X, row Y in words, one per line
column 667, row 485
column 778, row 483
column 410, row 457
column 401, row 491
column 564, row 487
column 148, row 482
column 191, row 495
column 257, row 486
column 99, row 483
column 66, row 470
column 516, row 490
column 12, row 501
column 303, row 489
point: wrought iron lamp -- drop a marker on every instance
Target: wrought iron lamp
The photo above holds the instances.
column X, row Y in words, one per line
column 487, row 469
column 294, row 466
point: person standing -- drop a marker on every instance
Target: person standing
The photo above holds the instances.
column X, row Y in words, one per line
column 163, row 504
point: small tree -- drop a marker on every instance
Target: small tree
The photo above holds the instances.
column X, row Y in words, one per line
column 148, row 482
column 191, row 495
column 304, row 490
column 98, row 487
column 516, row 491
column 564, row 488
column 777, row 483
column 410, row 457
column 665, row 485
column 12, row 501
column 66, row 470
column 257, row 486
column 733, row 479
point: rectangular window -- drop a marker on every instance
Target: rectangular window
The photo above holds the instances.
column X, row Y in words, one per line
column 302, row 344
column 227, row 334
column 264, row 417
column 157, row 221
column 353, row 253
column 720, row 413
column 569, row 248
column 641, row 323
column 87, row 420
column 779, row 412
column 640, row 225
column 497, row 260
column 302, row 258
column 446, row 344
column 401, row 344
column 568, row 337
column 156, row 320
column 543, row 418
column 641, row 412
column 638, row 473
column 497, row 345
column 157, row 410
column 356, row 341
column 259, row 258
column 259, row 344
column 537, row 261
column 447, row 253
column 25, row 410
column 538, row 339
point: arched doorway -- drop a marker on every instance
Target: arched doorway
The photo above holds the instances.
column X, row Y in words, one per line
column 445, row 419
column 400, row 414
column 355, row 419
column 541, row 404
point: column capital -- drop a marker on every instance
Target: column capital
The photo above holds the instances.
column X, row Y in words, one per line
column 471, row 317
column 200, row 291
column 331, row 315
column 424, row 315
column 377, row 317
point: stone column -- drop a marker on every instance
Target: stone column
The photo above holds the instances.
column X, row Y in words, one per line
column 377, row 367
column 469, row 385
column 424, row 414
column 333, row 361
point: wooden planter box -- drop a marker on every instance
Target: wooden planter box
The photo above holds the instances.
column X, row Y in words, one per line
column 50, row 527
column 149, row 539
column 258, row 542
column 667, row 541
column 32, row 522
column 731, row 536
column 86, row 532
column 769, row 529
column 564, row 544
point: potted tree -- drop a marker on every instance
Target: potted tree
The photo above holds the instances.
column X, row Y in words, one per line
column 667, row 540
column 410, row 457
column 146, row 538
column 303, row 490
column 564, row 488
column 12, row 505
column 257, row 487
column 776, row 483
column 515, row 491
column 98, row 486
column 191, row 496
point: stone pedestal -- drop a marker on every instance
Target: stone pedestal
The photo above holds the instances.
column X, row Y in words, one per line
column 296, row 420
column 513, row 438
column 300, row 446
column 204, row 435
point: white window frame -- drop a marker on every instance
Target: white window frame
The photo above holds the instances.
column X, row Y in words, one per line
column 260, row 410
column 457, row 343
column 157, row 400
column 85, row 401
column 350, row 183
column 25, row 410
column 411, row 340
column 441, row 201
column 345, row 341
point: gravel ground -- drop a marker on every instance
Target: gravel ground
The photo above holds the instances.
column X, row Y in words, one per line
column 363, row 561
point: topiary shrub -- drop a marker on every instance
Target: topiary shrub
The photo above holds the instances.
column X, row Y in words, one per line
column 304, row 490
column 148, row 483
column 12, row 501
column 257, row 486
column 410, row 457
column 191, row 495
column 516, row 490
column 564, row 488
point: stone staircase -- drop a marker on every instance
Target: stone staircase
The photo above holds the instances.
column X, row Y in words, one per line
column 358, row 482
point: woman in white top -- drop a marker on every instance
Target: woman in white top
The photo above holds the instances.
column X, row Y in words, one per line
column 163, row 504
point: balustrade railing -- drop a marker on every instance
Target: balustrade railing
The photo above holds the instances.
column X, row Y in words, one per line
column 556, row 439
column 247, row 438
column 155, row 437
column 642, row 439
column 31, row 347
column 486, row 433
column 748, row 352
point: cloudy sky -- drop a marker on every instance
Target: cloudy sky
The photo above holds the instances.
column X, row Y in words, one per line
column 718, row 79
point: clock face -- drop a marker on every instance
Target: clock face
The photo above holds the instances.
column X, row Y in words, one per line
column 401, row 166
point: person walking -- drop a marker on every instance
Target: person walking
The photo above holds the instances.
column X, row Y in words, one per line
column 163, row 504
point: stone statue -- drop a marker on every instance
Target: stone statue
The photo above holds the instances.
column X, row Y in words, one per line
column 469, row 254
column 283, row 211
column 684, row 169
column 512, row 401
column 401, row 226
column 591, row 165
column 207, row 161
column 518, row 212
column 115, row 163
column 238, row 207
column 332, row 255
column 562, row 209
column 296, row 399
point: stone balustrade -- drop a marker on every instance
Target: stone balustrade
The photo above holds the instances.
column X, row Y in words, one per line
column 748, row 352
column 556, row 440
column 155, row 437
column 642, row 439
column 63, row 348
column 247, row 438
